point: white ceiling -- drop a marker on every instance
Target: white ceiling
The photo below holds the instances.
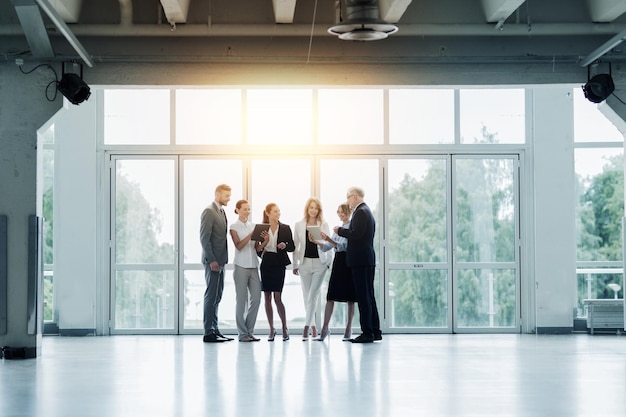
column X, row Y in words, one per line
column 296, row 30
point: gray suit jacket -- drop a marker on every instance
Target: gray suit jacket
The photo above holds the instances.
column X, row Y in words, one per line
column 213, row 232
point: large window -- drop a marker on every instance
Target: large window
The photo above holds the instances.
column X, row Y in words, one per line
column 170, row 147
column 495, row 116
column 599, row 164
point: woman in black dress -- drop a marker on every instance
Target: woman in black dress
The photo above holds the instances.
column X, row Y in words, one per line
column 340, row 286
column 277, row 241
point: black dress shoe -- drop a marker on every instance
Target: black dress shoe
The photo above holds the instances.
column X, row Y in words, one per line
column 212, row 338
column 362, row 339
column 378, row 336
column 226, row 339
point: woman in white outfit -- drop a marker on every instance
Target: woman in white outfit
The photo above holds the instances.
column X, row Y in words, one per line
column 246, row 276
column 311, row 264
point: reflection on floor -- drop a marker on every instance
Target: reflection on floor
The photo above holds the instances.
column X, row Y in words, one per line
column 404, row 375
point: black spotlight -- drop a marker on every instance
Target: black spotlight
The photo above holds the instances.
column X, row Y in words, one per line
column 598, row 87
column 73, row 87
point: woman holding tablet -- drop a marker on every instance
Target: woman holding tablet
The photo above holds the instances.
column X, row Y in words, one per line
column 311, row 263
column 277, row 241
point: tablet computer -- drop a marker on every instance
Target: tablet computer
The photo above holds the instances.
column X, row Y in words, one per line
column 316, row 232
column 256, row 233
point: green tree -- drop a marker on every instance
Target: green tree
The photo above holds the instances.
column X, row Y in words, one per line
column 599, row 223
column 601, row 210
column 417, row 218
column 141, row 295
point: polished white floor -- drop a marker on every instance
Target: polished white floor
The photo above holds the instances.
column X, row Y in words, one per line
column 405, row 375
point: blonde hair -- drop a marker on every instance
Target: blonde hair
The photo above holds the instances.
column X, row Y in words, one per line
column 320, row 215
column 344, row 208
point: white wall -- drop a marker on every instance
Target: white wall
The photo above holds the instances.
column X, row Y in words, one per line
column 554, row 209
column 75, row 199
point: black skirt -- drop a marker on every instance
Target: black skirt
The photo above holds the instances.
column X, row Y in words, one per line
column 340, row 285
column 272, row 275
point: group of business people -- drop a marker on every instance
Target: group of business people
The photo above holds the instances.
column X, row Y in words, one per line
column 349, row 251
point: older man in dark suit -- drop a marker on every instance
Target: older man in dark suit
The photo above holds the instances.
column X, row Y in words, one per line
column 361, row 260
column 213, row 232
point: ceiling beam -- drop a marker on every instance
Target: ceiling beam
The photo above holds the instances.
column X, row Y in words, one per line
column 238, row 30
column 284, row 10
column 392, row 10
column 34, row 28
column 69, row 10
column 604, row 49
column 499, row 10
column 62, row 26
column 176, row 11
column 606, row 10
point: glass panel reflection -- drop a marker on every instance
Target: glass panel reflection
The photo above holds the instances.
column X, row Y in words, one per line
column 493, row 116
column 279, row 116
column 144, row 211
column 421, row 116
column 419, row 298
column 137, row 117
column 208, row 116
column 486, row 298
column 351, row 116
column 484, row 210
column 144, row 300
column 598, row 284
column 417, row 210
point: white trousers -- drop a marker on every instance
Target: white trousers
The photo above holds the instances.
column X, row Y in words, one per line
column 247, row 281
column 312, row 272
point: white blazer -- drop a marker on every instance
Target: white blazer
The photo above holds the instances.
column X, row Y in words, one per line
column 300, row 237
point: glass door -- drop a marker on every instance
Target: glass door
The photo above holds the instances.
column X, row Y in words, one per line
column 485, row 238
column 417, row 245
column 143, row 245
column 452, row 244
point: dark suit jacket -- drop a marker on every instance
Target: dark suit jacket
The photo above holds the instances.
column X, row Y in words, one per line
column 213, row 232
column 360, row 235
column 282, row 258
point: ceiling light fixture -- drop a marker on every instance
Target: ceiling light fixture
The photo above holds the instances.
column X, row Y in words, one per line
column 362, row 22
column 598, row 87
column 73, row 87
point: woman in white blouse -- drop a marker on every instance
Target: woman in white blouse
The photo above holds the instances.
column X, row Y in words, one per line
column 311, row 263
column 246, row 276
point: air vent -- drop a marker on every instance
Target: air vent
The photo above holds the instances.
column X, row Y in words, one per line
column 362, row 22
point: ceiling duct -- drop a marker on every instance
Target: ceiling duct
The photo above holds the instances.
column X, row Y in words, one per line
column 362, row 22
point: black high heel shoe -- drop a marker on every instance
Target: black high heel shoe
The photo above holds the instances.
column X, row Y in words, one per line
column 270, row 338
column 285, row 336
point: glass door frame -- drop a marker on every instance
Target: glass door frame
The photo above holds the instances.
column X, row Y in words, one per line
column 384, row 266
column 388, row 266
column 516, row 264
column 111, row 159
column 450, row 265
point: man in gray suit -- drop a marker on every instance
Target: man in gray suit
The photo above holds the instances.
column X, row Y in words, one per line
column 213, row 232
